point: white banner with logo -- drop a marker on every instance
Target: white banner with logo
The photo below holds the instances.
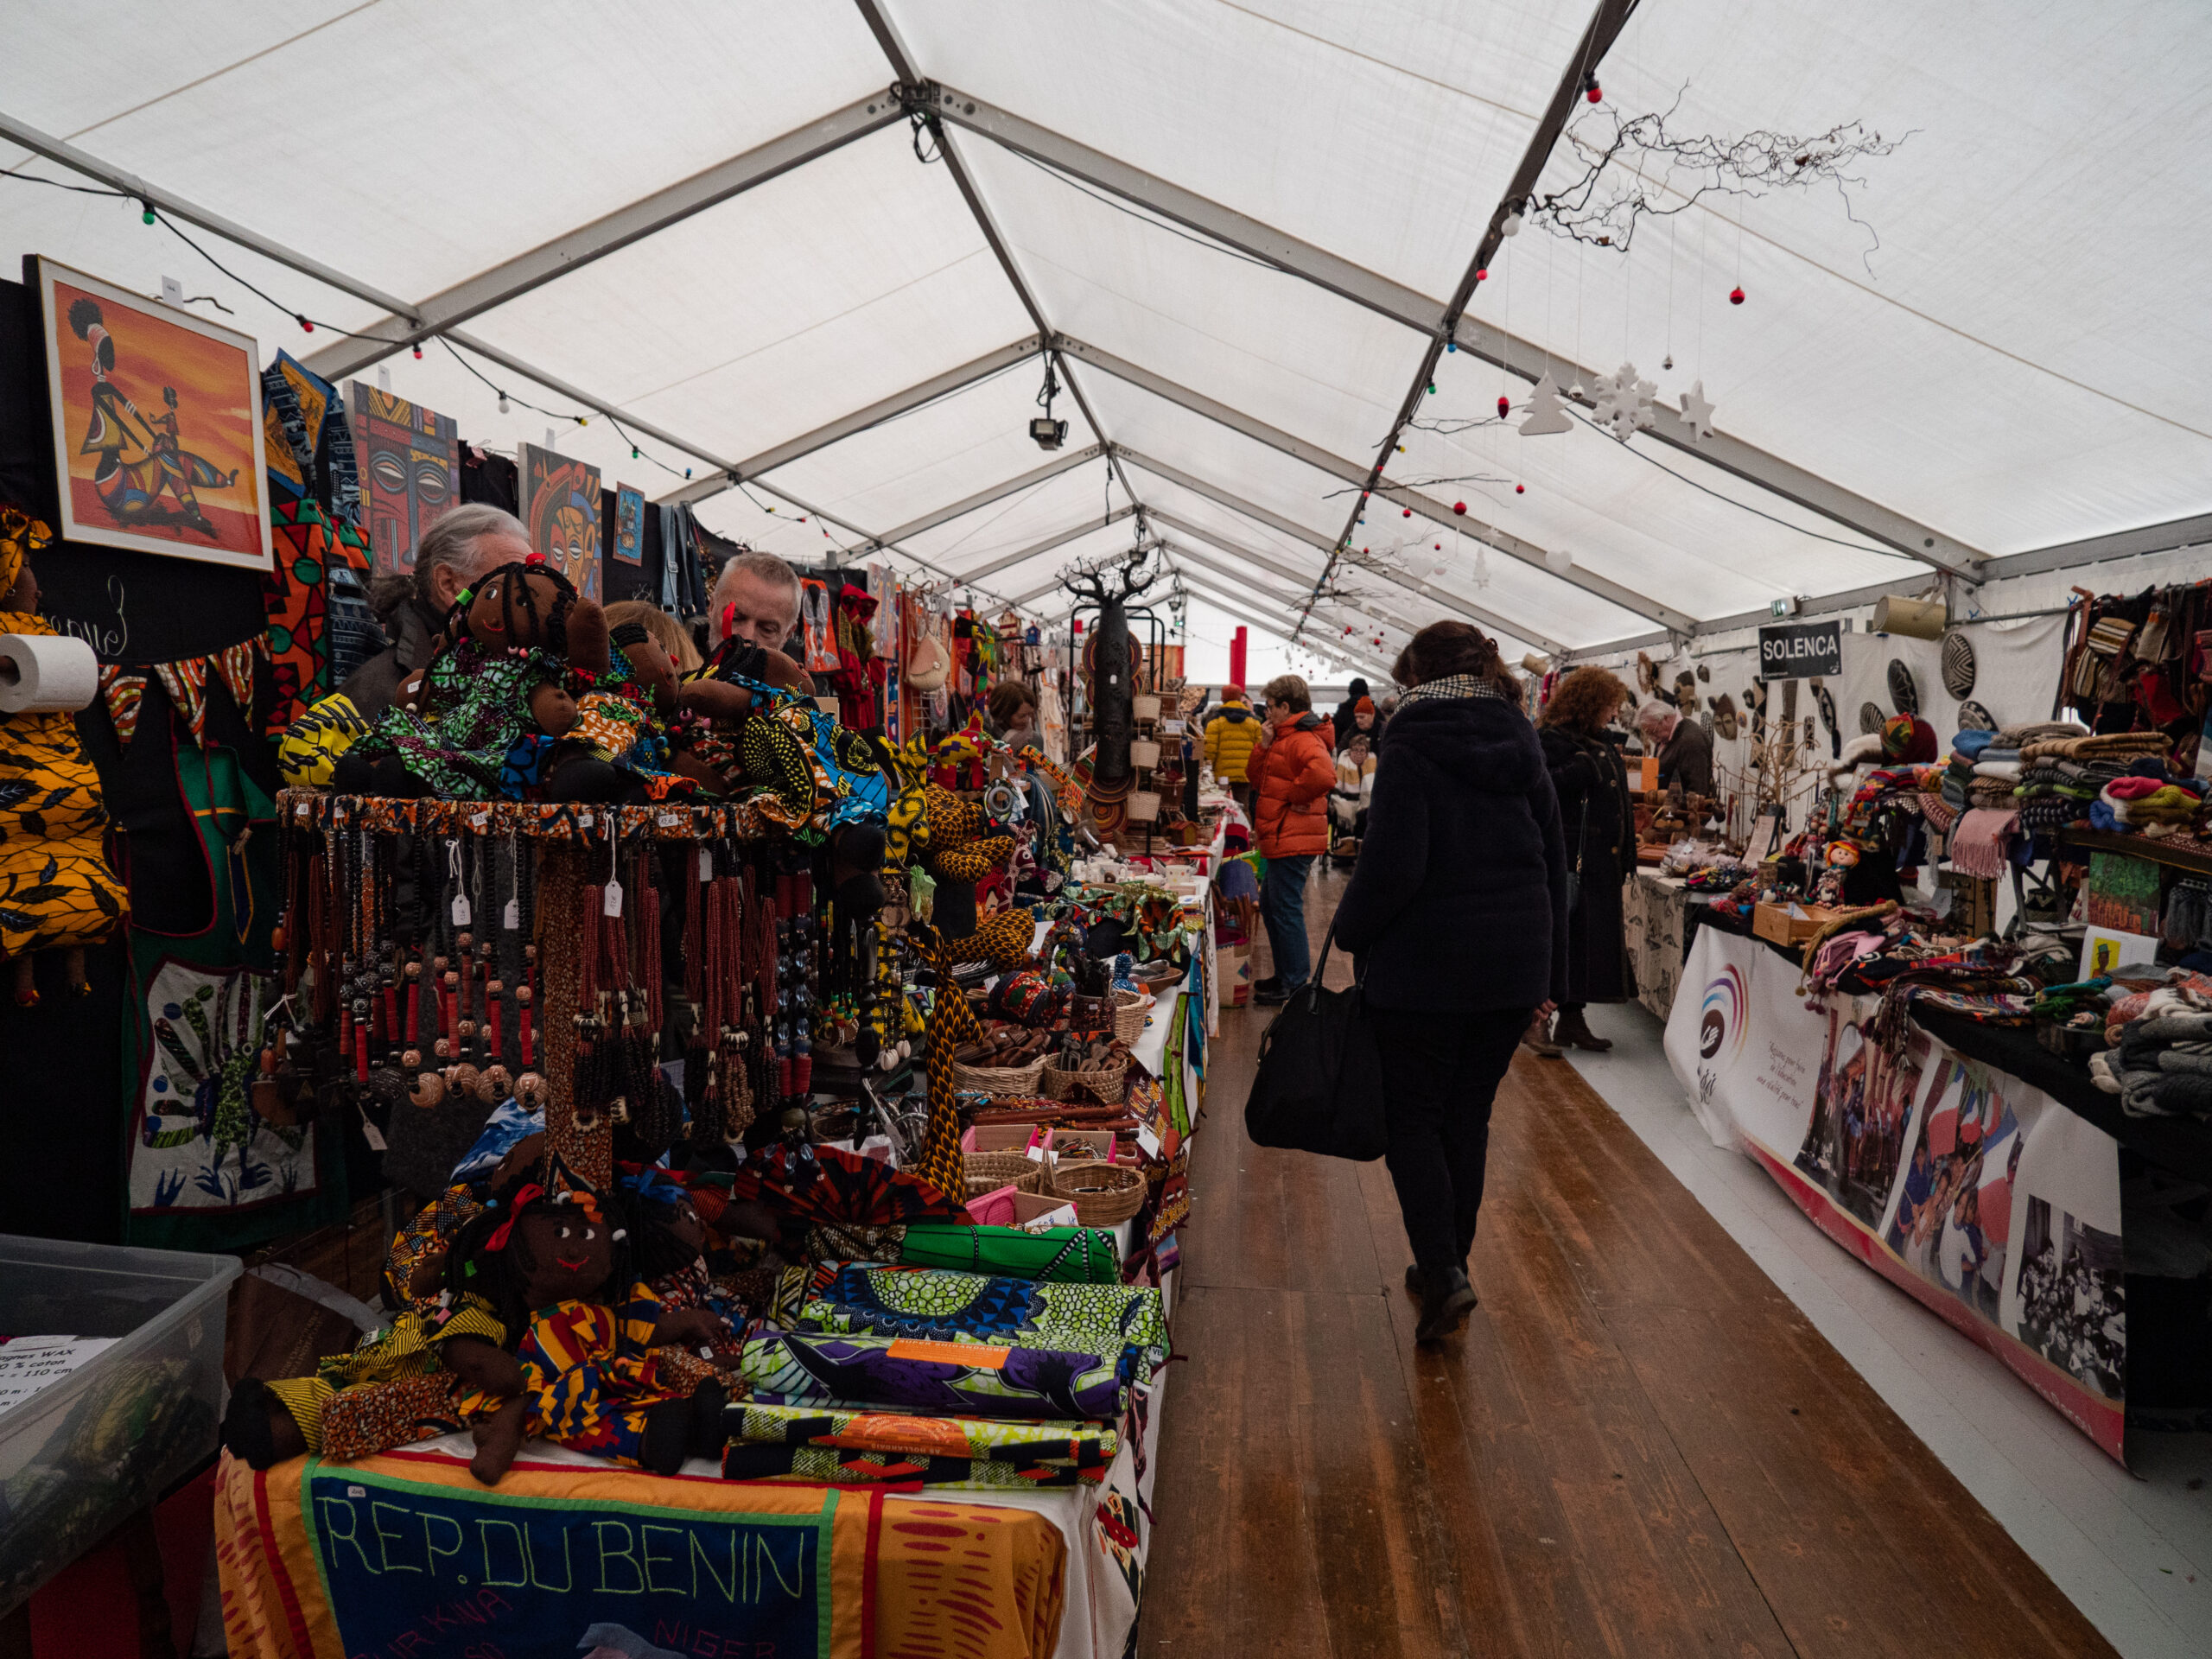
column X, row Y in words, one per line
column 1975, row 1192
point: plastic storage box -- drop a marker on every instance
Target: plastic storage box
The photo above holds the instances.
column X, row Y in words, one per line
column 114, row 1435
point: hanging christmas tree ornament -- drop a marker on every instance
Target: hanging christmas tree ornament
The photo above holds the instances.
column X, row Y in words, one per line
column 1736, row 296
column 1520, row 489
column 1958, row 664
column 1591, row 90
column 1459, row 508
column 1482, row 274
column 1504, row 406
column 1697, row 412
column 1624, row 402
column 1546, row 413
column 1406, row 512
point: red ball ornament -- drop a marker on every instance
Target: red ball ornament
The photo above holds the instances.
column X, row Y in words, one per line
column 1735, row 296
column 1482, row 273
column 1406, row 512
column 1520, row 489
column 1591, row 90
column 1460, row 507
column 1504, row 406
column 1439, row 547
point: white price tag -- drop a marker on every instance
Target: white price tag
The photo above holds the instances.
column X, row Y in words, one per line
column 461, row 910
column 583, row 820
column 670, row 820
column 706, row 863
column 511, row 918
column 372, row 1134
column 1036, row 1154
column 613, row 903
column 478, row 820
column 300, row 809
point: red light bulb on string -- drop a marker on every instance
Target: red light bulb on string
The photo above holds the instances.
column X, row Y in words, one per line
column 305, row 326
column 1482, row 273
column 418, row 353
column 1591, row 90
column 1505, row 405
column 1736, row 296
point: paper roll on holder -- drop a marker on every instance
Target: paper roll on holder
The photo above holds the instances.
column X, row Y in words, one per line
column 53, row 674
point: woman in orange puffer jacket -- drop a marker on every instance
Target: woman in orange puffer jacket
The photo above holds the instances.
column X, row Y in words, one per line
column 1292, row 774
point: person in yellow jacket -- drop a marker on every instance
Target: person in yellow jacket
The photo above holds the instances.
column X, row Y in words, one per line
column 1231, row 737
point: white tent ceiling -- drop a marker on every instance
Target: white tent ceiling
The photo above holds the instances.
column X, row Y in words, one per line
column 1241, row 227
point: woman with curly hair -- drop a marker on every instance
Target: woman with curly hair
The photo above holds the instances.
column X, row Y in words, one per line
column 1591, row 781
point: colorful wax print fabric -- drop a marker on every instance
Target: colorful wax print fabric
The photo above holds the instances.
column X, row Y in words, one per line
column 481, row 694
column 1057, row 1254
column 879, row 1447
column 959, row 1379
column 858, row 1300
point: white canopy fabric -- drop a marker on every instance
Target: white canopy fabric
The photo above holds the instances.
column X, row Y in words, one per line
column 1239, row 227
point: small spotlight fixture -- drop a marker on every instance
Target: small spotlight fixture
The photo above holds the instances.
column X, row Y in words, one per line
column 1048, row 432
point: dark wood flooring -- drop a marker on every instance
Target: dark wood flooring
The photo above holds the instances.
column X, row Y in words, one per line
column 1638, row 1446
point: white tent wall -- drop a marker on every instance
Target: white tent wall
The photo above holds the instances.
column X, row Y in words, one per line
column 2042, row 178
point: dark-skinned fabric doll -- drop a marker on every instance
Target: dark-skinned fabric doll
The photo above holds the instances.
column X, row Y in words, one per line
column 443, row 1358
column 671, row 1243
column 478, row 721
column 597, row 1376
column 56, row 890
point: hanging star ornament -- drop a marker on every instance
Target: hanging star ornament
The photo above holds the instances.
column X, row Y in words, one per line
column 1624, row 401
column 1697, row 413
column 1547, row 414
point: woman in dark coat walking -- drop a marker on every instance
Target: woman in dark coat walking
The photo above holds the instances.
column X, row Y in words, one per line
column 1586, row 767
column 1456, row 918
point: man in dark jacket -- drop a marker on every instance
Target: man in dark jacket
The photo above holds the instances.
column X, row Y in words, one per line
column 1456, row 917
column 1684, row 748
column 1341, row 716
column 469, row 542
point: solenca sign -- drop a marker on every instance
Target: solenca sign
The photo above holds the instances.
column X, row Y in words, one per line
column 1799, row 650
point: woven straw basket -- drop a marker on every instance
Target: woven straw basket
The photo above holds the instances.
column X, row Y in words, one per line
column 1001, row 1081
column 1104, row 1085
column 1104, row 1195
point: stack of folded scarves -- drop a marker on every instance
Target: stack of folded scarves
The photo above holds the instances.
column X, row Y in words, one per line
column 2160, row 1062
column 1996, row 775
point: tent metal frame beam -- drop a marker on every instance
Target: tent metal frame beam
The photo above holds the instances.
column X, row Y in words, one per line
column 1258, row 514
column 861, row 420
column 1059, row 539
column 1417, row 311
column 152, row 195
column 1353, row 472
column 1243, row 608
column 983, row 497
column 902, row 65
column 1444, row 600
column 1598, row 36
column 609, row 233
column 1289, row 600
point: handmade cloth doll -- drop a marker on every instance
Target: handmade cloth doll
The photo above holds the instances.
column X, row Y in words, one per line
column 56, row 890
column 596, row 1376
column 672, row 1246
column 478, row 720
column 618, row 748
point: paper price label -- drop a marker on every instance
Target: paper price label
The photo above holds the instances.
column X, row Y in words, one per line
column 478, row 820
column 583, row 820
column 670, row 820
column 461, row 910
column 612, row 904
column 511, row 918
column 706, row 863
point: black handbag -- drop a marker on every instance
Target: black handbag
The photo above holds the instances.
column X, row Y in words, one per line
column 1318, row 1085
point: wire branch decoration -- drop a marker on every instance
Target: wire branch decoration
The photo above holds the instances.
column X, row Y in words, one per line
column 1635, row 168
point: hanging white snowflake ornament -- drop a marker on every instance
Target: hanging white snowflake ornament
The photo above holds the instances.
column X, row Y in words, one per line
column 1624, row 402
column 1697, row 412
column 1547, row 412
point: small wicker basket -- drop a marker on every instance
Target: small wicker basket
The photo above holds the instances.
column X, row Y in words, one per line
column 1104, row 1085
column 1131, row 1009
column 1104, row 1195
column 986, row 1172
column 999, row 1081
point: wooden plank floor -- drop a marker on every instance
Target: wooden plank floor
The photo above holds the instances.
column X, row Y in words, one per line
column 1637, row 1447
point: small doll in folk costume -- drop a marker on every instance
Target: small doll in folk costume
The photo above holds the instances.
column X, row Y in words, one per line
column 672, row 1240
column 478, row 721
column 56, row 890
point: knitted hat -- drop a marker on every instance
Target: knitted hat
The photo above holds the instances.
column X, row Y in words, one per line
column 1364, row 705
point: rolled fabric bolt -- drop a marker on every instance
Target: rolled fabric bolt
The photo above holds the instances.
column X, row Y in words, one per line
column 54, row 674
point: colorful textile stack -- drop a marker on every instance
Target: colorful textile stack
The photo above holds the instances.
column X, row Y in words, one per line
column 2161, row 1063
column 2151, row 805
column 847, row 1447
column 2055, row 793
column 1958, row 773
column 950, row 1378
column 1996, row 775
column 858, row 1298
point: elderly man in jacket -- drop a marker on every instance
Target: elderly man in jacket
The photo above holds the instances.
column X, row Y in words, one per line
column 1292, row 774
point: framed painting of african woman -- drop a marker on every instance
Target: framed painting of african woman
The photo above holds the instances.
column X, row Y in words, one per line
column 157, row 435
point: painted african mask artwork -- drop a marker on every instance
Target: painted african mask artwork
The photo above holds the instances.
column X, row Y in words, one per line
column 560, row 505
column 409, row 462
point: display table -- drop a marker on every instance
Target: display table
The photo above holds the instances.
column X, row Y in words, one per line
column 1652, row 909
column 1959, row 1181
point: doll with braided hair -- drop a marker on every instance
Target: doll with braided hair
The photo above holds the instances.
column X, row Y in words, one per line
column 476, row 721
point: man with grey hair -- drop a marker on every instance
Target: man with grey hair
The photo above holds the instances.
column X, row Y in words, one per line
column 756, row 600
column 468, row 542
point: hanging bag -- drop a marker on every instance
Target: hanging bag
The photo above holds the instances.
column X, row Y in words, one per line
column 1318, row 1085
column 1574, row 869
